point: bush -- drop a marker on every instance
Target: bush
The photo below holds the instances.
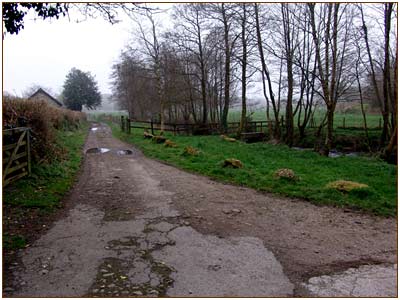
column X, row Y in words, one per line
column 43, row 120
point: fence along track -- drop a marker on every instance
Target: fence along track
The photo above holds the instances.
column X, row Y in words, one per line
column 16, row 154
column 191, row 128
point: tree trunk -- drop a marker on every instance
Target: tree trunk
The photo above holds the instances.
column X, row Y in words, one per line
column 227, row 78
column 289, row 67
column 203, row 77
column 267, row 75
column 243, row 120
column 329, row 135
column 362, row 107
column 386, row 76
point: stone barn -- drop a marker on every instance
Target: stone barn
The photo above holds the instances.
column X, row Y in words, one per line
column 41, row 95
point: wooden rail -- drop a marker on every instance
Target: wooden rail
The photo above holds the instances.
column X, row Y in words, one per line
column 192, row 129
column 16, row 154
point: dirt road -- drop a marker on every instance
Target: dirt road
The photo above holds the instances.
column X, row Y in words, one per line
column 137, row 227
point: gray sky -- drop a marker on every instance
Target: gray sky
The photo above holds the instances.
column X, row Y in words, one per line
column 44, row 51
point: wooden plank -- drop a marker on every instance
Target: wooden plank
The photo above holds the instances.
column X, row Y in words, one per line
column 12, row 146
column 18, row 156
column 13, row 154
column 16, row 177
column 14, row 130
column 28, row 150
column 140, row 127
column 13, row 169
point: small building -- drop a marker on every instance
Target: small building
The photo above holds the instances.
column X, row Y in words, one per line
column 41, row 95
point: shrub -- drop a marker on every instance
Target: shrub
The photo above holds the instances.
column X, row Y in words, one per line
column 43, row 120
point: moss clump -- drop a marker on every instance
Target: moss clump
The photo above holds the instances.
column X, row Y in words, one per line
column 232, row 162
column 171, row 144
column 189, row 150
column 346, row 185
column 287, row 174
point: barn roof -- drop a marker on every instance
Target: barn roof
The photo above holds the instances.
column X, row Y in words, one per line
column 40, row 90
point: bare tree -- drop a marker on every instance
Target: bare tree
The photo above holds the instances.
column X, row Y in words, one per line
column 224, row 15
column 152, row 46
column 305, row 70
column 387, row 95
column 266, row 75
column 190, row 37
column 331, row 41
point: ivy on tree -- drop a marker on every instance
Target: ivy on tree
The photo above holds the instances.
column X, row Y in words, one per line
column 14, row 13
column 80, row 88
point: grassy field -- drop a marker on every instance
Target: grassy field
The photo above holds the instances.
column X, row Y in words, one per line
column 261, row 160
column 350, row 119
column 41, row 192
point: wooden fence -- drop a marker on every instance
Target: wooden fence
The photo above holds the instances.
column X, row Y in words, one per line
column 192, row 129
column 16, row 154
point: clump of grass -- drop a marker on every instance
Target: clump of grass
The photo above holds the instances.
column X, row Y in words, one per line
column 346, row 185
column 287, row 174
column 147, row 135
column 227, row 138
column 231, row 162
column 171, row 144
column 13, row 242
column 189, row 150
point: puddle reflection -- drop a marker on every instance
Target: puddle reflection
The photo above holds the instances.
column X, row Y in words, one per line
column 106, row 150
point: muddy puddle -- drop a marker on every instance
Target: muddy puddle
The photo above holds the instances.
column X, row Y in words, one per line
column 107, row 150
column 124, row 152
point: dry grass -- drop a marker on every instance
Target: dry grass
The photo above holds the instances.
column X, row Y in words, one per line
column 43, row 120
column 171, row 144
column 345, row 185
column 189, row 150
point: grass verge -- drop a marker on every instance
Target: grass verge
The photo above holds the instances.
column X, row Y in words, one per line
column 28, row 202
column 261, row 160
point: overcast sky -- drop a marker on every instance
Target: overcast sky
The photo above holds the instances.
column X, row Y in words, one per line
column 44, row 51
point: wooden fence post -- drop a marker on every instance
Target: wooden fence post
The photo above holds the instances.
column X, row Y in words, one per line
column 344, row 122
column 28, row 150
column 122, row 123
column 152, row 128
column 128, row 125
